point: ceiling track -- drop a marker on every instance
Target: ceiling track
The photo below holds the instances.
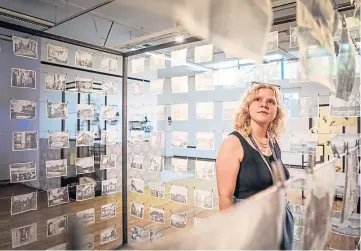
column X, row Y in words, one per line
column 25, row 18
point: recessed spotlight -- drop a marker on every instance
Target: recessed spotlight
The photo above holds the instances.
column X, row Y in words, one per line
column 179, row 39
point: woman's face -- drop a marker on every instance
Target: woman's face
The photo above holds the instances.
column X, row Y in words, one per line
column 263, row 108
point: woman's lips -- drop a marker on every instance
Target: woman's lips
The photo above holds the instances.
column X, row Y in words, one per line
column 263, row 112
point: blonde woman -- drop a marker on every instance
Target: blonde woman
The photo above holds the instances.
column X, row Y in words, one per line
column 244, row 159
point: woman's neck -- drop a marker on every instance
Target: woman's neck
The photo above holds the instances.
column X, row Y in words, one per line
column 258, row 131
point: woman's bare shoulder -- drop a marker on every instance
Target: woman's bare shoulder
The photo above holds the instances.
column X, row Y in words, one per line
column 232, row 145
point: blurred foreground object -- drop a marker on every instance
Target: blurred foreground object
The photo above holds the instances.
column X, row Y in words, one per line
column 239, row 27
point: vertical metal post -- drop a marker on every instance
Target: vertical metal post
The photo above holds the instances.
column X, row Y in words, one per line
column 124, row 152
column 78, row 127
column 62, row 153
column 343, row 157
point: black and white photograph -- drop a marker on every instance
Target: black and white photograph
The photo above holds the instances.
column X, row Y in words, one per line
column 84, row 85
column 205, row 170
column 108, row 161
column 62, row 246
column 179, row 112
column 198, row 221
column 58, row 196
column 108, row 235
column 57, row 225
column 158, row 112
column 23, row 141
column 22, row 109
column 308, row 107
column 137, row 185
column 84, row 59
column 86, row 217
column 108, row 211
column 84, row 165
column 293, row 37
column 179, row 139
column 109, row 64
column 156, row 164
column 137, row 114
column 178, row 194
column 25, row 47
column 205, row 140
column 204, row 110
column 57, row 54
column 109, row 88
column 178, row 57
column 108, row 112
column 85, row 111
column 85, row 191
column 319, row 207
column 203, row 53
column 204, row 81
column 137, row 65
column 22, row 78
column 179, row 84
column 339, row 141
column 137, row 210
column 156, row 215
column 203, row 199
column 24, row 235
column 157, row 190
column 157, row 138
column 137, row 161
column 57, row 110
column 303, row 143
column 139, row 234
column 56, row 168
column 58, row 140
column 178, row 220
column 157, row 61
column 137, row 137
column 88, row 242
column 84, row 138
column 180, row 165
column 156, row 86
column 21, row 172
column 109, row 186
column 55, row 82
column 342, row 108
column 24, row 203
column 272, row 41
column 155, row 235
column 228, row 109
column 108, row 137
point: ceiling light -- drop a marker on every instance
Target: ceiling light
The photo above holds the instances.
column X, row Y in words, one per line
column 179, row 39
column 133, row 49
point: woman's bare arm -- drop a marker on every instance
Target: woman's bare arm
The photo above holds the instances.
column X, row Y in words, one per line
column 227, row 167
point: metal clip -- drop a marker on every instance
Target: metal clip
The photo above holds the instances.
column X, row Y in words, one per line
column 335, row 151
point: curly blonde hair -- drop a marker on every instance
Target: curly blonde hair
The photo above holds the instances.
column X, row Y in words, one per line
column 241, row 120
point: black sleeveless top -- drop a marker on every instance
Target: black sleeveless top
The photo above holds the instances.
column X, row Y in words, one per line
column 254, row 175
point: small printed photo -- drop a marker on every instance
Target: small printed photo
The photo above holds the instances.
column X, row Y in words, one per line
column 108, row 161
column 137, row 210
column 58, row 196
column 155, row 235
column 139, row 234
column 84, row 59
column 136, row 137
column 303, row 143
column 108, row 235
column 57, row 54
column 204, row 170
column 85, row 191
column 229, row 109
column 57, row 225
column 272, row 41
column 24, row 203
column 179, row 112
column 205, row 140
column 84, row 165
column 178, row 220
column 178, row 194
column 108, row 137
column 21, row 172
column 109, row 186
column 158, row 112
column 85, row 111
column 108, row 112
column 137, row 161
column 86, row 217
column 56, row 168
column 179, row 165
column 179, row 139
column 24, row 47
column 198, row 221
column 109, row 64
column 158, row 139
column 84, row 138
column 58, row 140
column 136, row 185
column 88, row 242
column 205, row 110
column 156, row 86
column 55, row 82
column 342, row 108
column 293, row 37
column 108, row 211
column 24, row 235
column 157, row 190
column 23, row 141
column 156, row 164
column 22, row 78
column 109, row 88
column 57, row 110
column 156, row 215
column 84, row 85
column 203, row 199
column 22, row 109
